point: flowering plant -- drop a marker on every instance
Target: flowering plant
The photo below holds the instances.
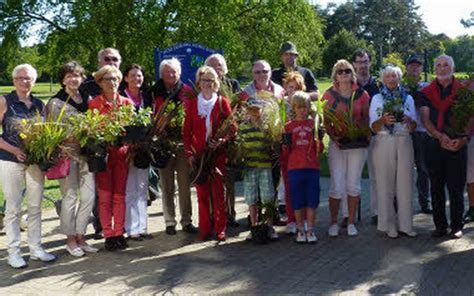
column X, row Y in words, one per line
column 463, row 108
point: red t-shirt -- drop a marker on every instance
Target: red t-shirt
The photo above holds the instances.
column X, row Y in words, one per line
column 304, row 151
column 104, row 106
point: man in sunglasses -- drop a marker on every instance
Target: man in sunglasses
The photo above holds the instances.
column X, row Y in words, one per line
column 289, row 55
column 362, row 60
column 89, row 89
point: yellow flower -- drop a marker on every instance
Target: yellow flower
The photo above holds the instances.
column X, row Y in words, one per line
column 23, row 136
column 24, row 121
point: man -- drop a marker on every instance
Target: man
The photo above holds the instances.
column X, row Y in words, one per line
column 362, row 60
column 289, row 55
column 171, row 87
column 446, row 157
column 90, row 89
column 414, row 68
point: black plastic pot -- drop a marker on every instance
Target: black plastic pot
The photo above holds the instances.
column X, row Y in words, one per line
column 346, row 143
column 260, row 234
column 398, row 116
column 135, row 134
column 94, row 148
column 96, row 163
column 46, row 165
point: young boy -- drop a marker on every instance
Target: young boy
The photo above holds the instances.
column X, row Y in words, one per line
column 256, row 148
column 302, row 151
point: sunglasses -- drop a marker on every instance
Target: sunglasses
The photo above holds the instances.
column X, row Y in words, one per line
column 345, row 71
column 111, row 59
column 258, row 72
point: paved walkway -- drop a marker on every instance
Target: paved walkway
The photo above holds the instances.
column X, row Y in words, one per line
column 367, row 264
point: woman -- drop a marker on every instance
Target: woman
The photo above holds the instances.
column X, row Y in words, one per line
column 17, row 105
column 111, row 183
column 203, row 118
column 345, row 100
column 393, row 154
column 292, row 82
column 261, row 73
column 80, row 180
column 137, row 182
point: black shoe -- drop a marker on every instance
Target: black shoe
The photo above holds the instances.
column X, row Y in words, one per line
column 190, row 228
column 110, row 244
column 427, row 210
column 170, row 230
column 135, row 238
column 438, row 233
column 232, row 223
column 146, row 236
column 121, row 243
column 97, row 236
column 469, row 216
column 375, row 219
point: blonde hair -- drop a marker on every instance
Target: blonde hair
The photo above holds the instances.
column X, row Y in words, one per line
column 297, row 78
column 207, row 70
column 340, row 65
column 300, row 99
column 105, row 70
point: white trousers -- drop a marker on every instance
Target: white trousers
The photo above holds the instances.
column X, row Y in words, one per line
column 393, row 163
column 345, row 167
column 136, row 201
column 14, row 177
column 372, row 185
column 75, row 213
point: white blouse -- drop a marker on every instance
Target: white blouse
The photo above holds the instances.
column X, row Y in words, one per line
column 376, row 111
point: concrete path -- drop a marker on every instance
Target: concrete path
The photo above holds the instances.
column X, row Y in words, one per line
column 368, row 264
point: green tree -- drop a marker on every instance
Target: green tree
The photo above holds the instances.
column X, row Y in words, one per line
column 462, row 51
column 341, row 46
column 396, row 59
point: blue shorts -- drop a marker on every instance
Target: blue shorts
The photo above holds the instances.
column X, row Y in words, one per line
column 304, row 188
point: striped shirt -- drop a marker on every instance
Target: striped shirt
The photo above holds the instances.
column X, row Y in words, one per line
column 256, row 146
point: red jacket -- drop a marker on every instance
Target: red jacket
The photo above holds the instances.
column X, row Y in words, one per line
column 194, row 130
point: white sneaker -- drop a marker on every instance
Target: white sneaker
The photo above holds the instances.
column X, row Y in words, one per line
column 291, row 228
column 301, row 237
column 40, row 254
column 272, row 233
column 333, row 230
column 76, row 252
column 311, row 237
column 16, row 261
column 88, row 249
column 352, row 230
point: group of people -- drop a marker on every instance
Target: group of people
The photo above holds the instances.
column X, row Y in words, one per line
column 205, row 127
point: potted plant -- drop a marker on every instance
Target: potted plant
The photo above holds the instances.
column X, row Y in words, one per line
column 136, row 124
column 394, row 107
column 268, row 212
column 462, row 111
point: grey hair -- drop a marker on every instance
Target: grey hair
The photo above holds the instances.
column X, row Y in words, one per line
column 448, row 58
column 108, row 49
column 220, row 58
column 29, row 68
column 262, row 62
column 173, row 63
column 391, row 69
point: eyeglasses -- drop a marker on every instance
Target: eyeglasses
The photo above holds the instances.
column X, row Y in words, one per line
column 111, row 59
column 258, row 72
column 343, row 71
column 22, row 78
column 207, row 80
column 110, row 79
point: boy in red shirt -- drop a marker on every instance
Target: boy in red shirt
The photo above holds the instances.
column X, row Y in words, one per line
column 303, row 150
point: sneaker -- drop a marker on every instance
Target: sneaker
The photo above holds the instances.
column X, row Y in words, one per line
column 456, row 234
column 42, row 255
column 110, row 243
column 88, row 249
column 392, row 234
column 76, row 252
column 352, row 230
column 16, row 261
column 170, row 230
column 120, row 242
column 301, row 237
column 333, row 230
column 311, row 237
column 469, row 216
column 291, row 228
column 272, row 235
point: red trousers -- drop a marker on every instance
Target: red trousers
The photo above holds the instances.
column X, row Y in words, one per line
column 289, row 209
column 214, row 189
column 111, row 186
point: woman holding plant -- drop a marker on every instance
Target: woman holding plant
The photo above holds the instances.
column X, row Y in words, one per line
column 347, row 124
column 111, row 183
column 392, row 114
column 206, row 130
column 80, row 179
column 14, row 172
column 137, row 182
